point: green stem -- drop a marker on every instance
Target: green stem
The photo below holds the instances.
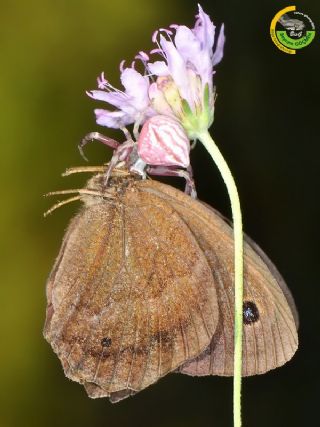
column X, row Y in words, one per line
column 217, row 157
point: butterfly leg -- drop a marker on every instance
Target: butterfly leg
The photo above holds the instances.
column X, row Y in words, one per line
column 190, row 188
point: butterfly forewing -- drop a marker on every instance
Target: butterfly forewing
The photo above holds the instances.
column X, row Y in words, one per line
column 131, row 296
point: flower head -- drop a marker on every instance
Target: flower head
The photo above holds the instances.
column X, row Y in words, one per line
column 179, row 86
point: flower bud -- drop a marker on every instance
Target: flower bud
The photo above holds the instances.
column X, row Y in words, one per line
column 167, row 100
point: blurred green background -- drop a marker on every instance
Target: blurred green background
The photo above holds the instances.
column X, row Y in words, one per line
column 265, row 124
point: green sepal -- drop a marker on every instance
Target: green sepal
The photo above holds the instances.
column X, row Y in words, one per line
column 206, row 97
column 186, row 108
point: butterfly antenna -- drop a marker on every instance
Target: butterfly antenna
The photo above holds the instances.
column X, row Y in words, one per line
column 59, row 204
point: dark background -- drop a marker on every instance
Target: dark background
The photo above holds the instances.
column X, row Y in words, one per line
column 266, row 126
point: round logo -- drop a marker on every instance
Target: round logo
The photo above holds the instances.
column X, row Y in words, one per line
column 291, row 30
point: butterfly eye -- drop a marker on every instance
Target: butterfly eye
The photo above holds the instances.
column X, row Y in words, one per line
column 106, row 342
column 250, row 312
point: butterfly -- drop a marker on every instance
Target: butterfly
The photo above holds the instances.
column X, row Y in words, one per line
column 144, row 285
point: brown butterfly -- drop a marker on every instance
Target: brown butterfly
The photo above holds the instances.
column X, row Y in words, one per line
column 143, row 286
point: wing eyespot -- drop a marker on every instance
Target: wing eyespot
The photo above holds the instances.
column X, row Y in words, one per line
column 250, row 313
column 106, row 342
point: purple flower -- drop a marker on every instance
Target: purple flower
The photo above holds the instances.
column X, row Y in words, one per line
column 183, row 88
column 132, row 105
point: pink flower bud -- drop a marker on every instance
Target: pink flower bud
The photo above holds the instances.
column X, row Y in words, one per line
column 164, row 142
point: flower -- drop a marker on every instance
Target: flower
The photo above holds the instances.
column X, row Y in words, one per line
column 184, row 85
column 133, row 105
column 183, row 88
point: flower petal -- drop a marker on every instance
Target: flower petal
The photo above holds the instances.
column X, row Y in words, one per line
column 136, row 87
column 218, row 54
column 158, row 68
column 177, row 67
column 197, row 59
column 117, row 99
column 204, row 29
column 112, row 119
column 187, row 43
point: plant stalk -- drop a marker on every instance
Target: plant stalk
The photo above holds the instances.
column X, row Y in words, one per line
column 226, row 174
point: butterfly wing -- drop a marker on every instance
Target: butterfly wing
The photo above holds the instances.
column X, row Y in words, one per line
column 270, row 335
column 131, row 295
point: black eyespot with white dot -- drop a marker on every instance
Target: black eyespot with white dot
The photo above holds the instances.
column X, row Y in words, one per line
column 106, row 342
column 250, row 313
